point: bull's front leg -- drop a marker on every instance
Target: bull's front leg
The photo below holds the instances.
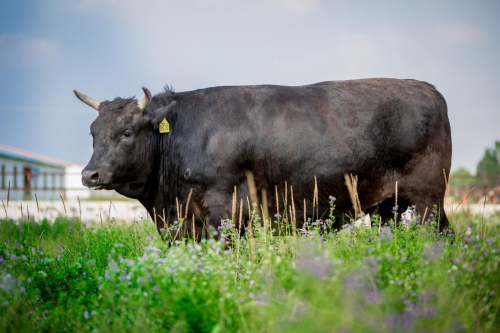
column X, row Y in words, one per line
column 217, row 204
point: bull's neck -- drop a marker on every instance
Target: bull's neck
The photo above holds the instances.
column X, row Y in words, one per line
column 162, row 186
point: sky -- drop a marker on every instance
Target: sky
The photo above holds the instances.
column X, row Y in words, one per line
column 110, row 48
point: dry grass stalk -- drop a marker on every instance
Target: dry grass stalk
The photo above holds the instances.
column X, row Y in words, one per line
column 194, row 231
column 277, row 209
column 239, row 240
column 100, row 215
column 252, row 188
column 463, row 199
column 316, row 198
column 64, row 205
column 270, row 226
column 286, row 199
column 265, row 212
column 154, row 215
column 28, row 212
column 180, row 210
column 293, row 229
column 348, row 183
column 38, row 206
column 264, row 228
column 250, row 232
column 379, row 223
column 265, row 204
column 79, row 206
column 164, row 222
column 41, row 234
column 356, row 194
column 187, row 203
column 109, row 211
column 423, row 218
column 177, row 205
column 233, row 206
column 255, row 200
column 396, row 194
column 294, row 218
column 178, row 229
column 165, row 225
column 4, row 208
column 22, row 213
column 249, row 208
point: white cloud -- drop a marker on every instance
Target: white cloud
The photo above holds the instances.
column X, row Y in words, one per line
column 296, row 6
column 22, row 50
column 164, row 7
column 459, row 33
column 388, row 51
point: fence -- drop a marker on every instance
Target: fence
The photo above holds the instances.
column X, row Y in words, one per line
column 475, row 188
column 23, row 185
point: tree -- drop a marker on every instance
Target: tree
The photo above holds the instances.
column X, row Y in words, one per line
column 461, row 182
column 490, row 163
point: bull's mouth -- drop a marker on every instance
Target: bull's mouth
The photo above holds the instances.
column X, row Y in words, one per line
column 97, row 187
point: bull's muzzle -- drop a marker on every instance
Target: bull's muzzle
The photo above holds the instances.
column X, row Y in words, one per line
column 95, row 179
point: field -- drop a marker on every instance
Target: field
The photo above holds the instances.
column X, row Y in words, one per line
column 64, row 275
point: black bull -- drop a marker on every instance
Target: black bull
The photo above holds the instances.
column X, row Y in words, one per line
column 382, row 130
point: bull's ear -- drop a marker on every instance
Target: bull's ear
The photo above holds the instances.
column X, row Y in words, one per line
column 160, row 114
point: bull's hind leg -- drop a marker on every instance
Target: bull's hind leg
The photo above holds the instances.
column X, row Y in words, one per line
column 385, row 208
column 425, row 198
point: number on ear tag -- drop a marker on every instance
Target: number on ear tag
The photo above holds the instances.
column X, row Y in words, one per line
column 164, row 126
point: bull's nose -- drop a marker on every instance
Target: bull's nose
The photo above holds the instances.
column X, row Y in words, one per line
column 90, row 177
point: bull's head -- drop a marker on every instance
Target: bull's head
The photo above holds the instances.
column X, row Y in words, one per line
column 122, row 135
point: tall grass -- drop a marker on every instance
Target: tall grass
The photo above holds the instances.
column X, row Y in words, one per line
column 66, row 276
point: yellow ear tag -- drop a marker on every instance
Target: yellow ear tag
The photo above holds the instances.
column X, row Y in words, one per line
column 164, row 126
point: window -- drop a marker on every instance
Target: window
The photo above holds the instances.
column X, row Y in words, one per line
column 15, row 177
column 3, row 176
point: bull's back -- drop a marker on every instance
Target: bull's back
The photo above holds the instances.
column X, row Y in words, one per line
column 325, row 129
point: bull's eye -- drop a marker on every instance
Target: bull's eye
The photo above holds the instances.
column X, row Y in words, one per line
column 127, row 134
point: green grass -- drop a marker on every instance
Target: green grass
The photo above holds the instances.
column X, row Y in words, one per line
column 65, row 276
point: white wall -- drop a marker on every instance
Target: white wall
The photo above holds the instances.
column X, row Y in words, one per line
column 73, row 182
column 89, row 211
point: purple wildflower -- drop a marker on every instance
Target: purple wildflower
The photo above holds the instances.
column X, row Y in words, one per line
column 373, row 296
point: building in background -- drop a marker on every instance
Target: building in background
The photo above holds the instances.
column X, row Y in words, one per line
column 29, row 173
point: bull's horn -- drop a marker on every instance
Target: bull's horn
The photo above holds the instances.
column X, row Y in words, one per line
column 90, row 101
column 144, row 102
